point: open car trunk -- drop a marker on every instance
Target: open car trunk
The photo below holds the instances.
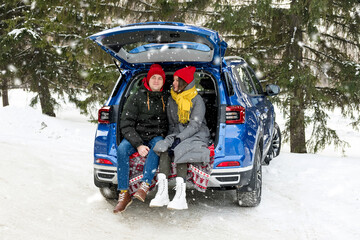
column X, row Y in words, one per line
column 139, row 45
column 206, row 86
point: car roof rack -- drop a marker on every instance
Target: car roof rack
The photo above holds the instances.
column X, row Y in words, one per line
column 231, row 58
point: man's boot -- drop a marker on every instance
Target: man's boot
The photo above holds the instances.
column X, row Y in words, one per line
column 142, row 191
column 162, row 195
column 179, row 201
column 123, row 202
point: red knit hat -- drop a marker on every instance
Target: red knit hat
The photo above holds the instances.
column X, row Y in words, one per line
column 187, row 74
column 155, row 69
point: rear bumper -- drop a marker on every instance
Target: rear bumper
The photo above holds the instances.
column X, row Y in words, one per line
column 220, row 178
column 230, row 177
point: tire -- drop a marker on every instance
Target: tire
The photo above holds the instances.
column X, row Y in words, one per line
column 109, row 193
column 252, row 198
column 275, row 147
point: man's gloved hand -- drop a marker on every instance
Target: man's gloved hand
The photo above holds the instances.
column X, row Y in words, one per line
column 171, row 149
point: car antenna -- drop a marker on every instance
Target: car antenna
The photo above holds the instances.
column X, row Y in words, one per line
column 117, row 66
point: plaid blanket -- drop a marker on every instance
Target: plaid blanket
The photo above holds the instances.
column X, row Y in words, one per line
column 197, row 174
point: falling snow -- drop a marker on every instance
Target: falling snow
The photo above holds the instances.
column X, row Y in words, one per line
column 84, row 74
column 290, row 66
column 12, row 68
column 254, row 61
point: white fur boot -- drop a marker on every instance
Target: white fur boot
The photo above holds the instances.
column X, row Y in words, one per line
column 162, row 195
column 179, row 200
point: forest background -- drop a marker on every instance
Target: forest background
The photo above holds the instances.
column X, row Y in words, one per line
column 310, row 48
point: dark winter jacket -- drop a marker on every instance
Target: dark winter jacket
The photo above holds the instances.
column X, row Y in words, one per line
column 144, row 116
column 194, row 135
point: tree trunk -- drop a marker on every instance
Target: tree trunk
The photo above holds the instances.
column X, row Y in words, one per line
column 297, row 106
column 4, row 91
column 297, row 124
column 46, row 102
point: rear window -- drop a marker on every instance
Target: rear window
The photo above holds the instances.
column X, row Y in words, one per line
column 159, row 46
column 142, row 47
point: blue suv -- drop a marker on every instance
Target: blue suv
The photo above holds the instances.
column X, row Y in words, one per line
column 239, row 114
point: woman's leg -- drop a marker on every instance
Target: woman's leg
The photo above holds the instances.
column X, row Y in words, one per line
column 181, row 170
column 124, row 150
column 165, row 164
column 179, row 201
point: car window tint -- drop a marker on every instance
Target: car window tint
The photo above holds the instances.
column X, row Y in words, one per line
column 255, row 81
column 245, row 80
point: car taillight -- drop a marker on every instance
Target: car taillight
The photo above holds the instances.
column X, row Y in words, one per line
column 103, row 161
column 104, row 115
column 235, row 114
column 229, row 164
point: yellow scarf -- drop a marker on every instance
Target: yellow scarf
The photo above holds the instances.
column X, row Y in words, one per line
column 183, row 100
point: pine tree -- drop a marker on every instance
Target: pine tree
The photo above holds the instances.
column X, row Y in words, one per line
column 310, row 48
column 46, row 41
column 7, row 69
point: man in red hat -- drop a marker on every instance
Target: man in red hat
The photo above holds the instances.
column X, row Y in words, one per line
column 143, row 123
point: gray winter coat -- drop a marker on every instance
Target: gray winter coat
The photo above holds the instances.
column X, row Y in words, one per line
column 194, row 135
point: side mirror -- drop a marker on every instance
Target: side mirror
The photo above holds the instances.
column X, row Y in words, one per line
column 272, row 89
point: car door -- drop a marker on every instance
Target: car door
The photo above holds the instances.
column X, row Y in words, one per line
column 265, row 107
column 259, row 103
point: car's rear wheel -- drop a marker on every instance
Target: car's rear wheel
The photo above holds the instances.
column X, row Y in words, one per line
column 275, row 147
column 109, row 192
column 251, row 196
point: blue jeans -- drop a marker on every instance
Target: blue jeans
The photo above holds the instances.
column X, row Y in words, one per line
column 124, row 150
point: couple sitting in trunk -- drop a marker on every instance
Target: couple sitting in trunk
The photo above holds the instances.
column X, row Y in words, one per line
column 144, row 127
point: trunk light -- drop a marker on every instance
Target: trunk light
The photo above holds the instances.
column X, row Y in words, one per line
column 104, row 115
column 103, row 161
column 229, row 164
column 235, row 114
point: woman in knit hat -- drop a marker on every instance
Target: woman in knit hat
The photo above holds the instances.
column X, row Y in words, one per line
column 143, row 123
column 187, row 139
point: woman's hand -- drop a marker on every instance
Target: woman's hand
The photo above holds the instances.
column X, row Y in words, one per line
column 143, row 150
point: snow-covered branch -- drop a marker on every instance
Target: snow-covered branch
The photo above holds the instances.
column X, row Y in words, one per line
column 149, row 5
column 321, row 53
column 340, row 39
column 13, row 10
column 69, row 35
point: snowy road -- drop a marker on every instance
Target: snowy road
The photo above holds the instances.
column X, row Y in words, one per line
column 47, row 192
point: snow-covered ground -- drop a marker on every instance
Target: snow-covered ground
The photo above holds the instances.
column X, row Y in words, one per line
column 47, row 190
